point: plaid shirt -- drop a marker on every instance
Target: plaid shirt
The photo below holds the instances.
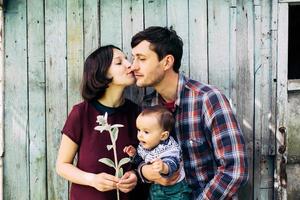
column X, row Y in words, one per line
column 213, row 147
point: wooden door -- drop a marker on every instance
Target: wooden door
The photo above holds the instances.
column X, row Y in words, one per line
column 287, row 173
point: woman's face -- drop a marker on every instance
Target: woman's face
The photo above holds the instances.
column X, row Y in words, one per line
column 119, row 70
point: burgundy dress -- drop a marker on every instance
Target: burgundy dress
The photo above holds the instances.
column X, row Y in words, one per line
column 79, row 127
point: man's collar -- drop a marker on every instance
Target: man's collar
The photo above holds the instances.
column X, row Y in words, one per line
column 180, row 86
column 155, row 97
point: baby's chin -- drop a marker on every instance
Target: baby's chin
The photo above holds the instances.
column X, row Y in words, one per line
column 145, row 146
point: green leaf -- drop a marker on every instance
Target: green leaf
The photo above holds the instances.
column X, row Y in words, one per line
column 109, row 147
column 115, row 132
column 120, row 173
column 123, row 161
column 108, row 162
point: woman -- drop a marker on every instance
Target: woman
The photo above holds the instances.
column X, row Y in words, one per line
column 106, row 74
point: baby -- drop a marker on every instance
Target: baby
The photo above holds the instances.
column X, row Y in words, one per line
column 156, row 146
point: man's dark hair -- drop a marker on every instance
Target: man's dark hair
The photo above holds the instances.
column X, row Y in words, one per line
column 94, row 80
column 163, row 41
column 164, row 116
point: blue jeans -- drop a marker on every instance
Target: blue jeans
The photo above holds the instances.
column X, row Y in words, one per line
column 180, row 191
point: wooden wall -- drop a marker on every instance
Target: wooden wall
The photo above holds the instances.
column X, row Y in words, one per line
column 227, row 43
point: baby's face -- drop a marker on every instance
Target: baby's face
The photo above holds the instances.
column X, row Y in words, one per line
column 149, row 131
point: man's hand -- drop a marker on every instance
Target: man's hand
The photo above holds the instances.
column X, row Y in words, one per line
column 127, row 182
column 130, row 150
column 159, row 166
column 148, row 172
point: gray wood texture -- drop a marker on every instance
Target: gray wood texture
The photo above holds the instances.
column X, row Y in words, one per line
column 1, row 98
column 36, row 97
column 230, row 44
column 56, row 90
column 16, row 159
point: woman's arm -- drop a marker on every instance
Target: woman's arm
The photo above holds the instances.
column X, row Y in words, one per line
column 66, row 169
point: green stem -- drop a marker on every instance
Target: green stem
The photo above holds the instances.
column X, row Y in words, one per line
column 116, row 160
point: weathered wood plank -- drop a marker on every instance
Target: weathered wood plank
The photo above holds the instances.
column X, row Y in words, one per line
column 282, row 116
column 218, row 44
column 110, row 23
column 232, row 56
column 36, row 95
column 257, row 103
column 293, row 85
column 177, row 17
column 74, row 50
column 1, row 99
column 264, row 82
column 132, row 22
column 155, row 13
column 264, row 94
column 245, row 84
column 91, row 26
column 289, row 1
column 16, row 159
column 198, row 57
column 274, row 40
column 56, row 96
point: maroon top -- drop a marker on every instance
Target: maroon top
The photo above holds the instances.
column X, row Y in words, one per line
column 79, row 127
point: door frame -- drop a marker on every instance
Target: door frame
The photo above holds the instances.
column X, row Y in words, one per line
column 280, row 176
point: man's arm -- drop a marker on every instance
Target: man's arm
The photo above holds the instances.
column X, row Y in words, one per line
column 228, row 147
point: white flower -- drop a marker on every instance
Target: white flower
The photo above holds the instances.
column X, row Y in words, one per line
column 103, row 125
column 102, row 120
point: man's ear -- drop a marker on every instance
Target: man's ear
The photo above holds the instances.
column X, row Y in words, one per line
column 168, row 62
column 164, row 135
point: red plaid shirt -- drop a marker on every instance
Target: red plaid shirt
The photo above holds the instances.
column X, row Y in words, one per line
column 213, row 147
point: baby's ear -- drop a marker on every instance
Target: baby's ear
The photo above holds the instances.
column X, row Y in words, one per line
column 164, row 135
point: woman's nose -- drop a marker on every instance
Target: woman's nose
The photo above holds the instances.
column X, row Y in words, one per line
column 128, row 64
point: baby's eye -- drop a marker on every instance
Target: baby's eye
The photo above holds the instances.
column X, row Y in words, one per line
column 146, row 132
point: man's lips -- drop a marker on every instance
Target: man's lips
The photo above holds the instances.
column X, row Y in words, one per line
column 138, row 75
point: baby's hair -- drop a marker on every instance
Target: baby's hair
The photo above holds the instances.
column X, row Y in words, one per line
column 164, row 116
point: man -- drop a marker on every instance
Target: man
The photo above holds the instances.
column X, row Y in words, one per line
column 213, row 147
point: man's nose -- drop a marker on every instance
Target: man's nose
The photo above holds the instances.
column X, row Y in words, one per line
column 134, row 66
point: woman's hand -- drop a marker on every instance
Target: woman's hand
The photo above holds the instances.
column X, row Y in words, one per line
column 127, row 182
column 104, row 182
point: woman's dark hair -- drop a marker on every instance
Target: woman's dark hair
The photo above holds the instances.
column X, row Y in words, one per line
column 163, row 41
column 164, row 116
column 94, row 80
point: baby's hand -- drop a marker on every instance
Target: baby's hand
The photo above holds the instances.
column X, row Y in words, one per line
column 130, row 150
column 159, row 166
